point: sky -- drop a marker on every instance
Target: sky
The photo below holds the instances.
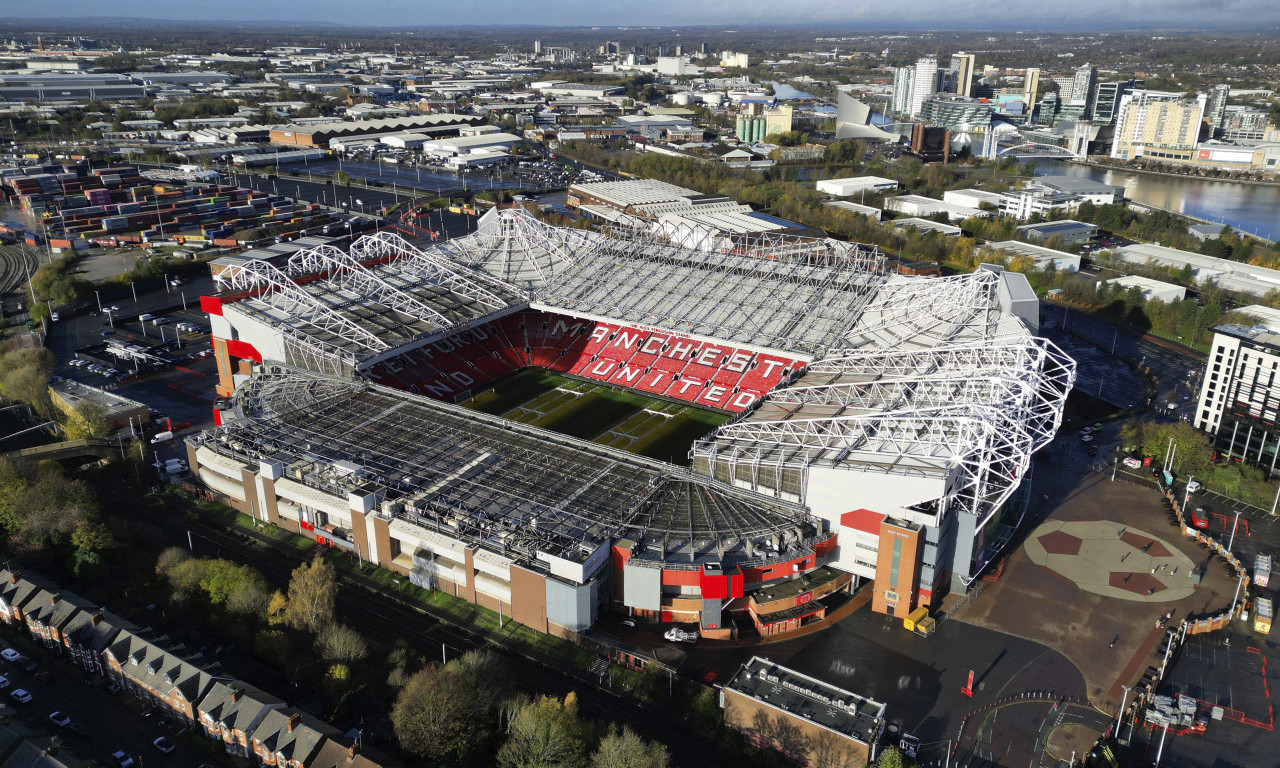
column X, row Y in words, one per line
column 1246, row 15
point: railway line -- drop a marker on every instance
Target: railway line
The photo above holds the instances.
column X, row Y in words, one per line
column 16, row 263
column 363, row 603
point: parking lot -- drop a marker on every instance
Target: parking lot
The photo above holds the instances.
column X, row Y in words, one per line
column 111, row 721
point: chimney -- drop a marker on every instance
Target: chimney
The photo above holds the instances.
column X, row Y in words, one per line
column 294, row 719
column 14, row 575
column 97, row 617
column 54, row 598
column 351, row 753
column 235, row 694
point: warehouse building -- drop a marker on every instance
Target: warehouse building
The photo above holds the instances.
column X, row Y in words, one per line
column 1152, row 290
column 466, row 145
column 856, row 184
column 1061, row 260
column 320, row 134
column 1068, row 230
column 924, row 207
column 1234, row 276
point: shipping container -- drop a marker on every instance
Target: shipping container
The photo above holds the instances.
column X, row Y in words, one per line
column 1262, row 616
column 1262, row 570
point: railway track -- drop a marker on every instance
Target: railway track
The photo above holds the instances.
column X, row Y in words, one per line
column 16, row 262
column 364, row 605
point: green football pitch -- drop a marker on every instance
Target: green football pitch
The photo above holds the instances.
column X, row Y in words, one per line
column 620, row 419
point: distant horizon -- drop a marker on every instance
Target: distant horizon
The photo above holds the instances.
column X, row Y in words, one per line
column 1247, row 17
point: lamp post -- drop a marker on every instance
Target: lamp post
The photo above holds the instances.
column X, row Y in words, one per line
column 1234, row 526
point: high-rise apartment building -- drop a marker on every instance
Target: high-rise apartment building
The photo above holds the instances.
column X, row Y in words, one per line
column 1106, row 99
column 1030, row 87
column 1082, row 89
column 901, row 102
column 537, row 47
column 962, row 72
column 1157, row 124
column 924, row 83
column 1240, row 396
column 1216, row 111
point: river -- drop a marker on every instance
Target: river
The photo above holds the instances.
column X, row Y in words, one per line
column 1252, row 208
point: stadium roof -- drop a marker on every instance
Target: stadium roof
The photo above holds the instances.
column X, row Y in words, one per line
column 511, row 487
column 381, row 295
column 940, row 380
column 792, row 294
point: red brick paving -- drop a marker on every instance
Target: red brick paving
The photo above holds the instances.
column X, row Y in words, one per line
column 1138, row 583
column 1141, row 658
column 1059, row 543
column 1138, row 542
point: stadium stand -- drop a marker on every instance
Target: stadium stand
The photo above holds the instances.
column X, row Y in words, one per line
column 710, row 374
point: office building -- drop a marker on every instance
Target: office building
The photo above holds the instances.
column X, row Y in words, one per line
column 1157, row 124
column 856, row 184
column 1082, row 90
column 956, row 113
column 1106, row 99
column 1240, row 396
column 537, row 47
column 1216, row 109
column 962, row 73
column 846, row 725
column 1068, row 230
column 1031, row 87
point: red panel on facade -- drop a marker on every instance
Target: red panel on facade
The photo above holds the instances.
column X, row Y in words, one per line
column 777, row 571
column 620, row 557
column 862, row 520
column 211, row 305
column 713, row 586
column 681, row 578
column 825, row 547
column 737, row 583
column 243, row 350
column 217, row 417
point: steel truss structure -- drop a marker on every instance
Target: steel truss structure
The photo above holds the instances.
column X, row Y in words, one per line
column 924, row 313
column 783, row 292
column 974, row 411
column 515, row 489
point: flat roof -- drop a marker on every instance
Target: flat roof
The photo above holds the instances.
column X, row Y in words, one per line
column 1031, row 250
column 800, row 696
column 1076, row 185
column 1056, row 226
column 74, row 393
column 927, row 225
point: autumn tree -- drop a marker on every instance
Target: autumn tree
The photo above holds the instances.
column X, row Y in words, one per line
column 313, row 589
column 626, row 749
column 435, row 716
column 545, row 734
column 338, row 643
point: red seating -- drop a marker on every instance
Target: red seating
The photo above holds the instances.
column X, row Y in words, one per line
column 709, row 374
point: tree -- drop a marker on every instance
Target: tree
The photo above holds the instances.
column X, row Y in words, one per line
column 435, row 716
column 312, row 590
column 169, row 559
column 891, row 757
column 545, row 734
column 628, row 750
column 87, row 420
column 341, row 644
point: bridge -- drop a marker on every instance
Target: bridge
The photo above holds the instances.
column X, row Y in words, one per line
column 1032, row 149
column 82, row 450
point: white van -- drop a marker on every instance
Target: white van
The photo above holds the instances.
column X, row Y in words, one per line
column 145, row 316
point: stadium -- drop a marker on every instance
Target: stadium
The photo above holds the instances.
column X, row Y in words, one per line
column 558, row 423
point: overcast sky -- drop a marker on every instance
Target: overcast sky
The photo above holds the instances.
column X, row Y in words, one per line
column 1247, row 15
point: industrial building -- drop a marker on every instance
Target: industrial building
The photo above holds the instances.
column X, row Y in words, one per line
column 884, row 424
column 647, row 199
column 1152, row 290
column 852, row 185
column 925, row 226
column 861, row 210
column 1239, row 401
column 1067, row 230
column 923, row 207
column 1061, row 260
column 1235, row 276
column 320, row 134
column 816, row 710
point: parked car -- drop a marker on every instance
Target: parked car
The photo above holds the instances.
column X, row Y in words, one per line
column 678, row 635
column 1132, row 462
column 164, row 745
column 1086, row 438
column 21, row 695
column 9, row 654
column 1193, row 486
column 59, row 719
column 122, row 758
column 4, row 682
column 44, row 676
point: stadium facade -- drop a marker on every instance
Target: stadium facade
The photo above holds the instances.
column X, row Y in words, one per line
column 880, row 426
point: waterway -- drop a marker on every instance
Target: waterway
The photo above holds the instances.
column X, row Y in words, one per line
column 785, row 92
column 1253, row 208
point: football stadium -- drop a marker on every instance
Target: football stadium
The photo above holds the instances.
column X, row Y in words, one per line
column 559, row 423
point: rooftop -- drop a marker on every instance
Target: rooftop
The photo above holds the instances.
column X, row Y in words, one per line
column 836, row 709
column 1051, row 227
column 1077, row 185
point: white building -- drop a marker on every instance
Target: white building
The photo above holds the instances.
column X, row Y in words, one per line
column 856, row 184
column 1156, row 290
column 1240, row 396
column 973, row 198
column 1061, row 260
column 861, row 210
column 923, row 207
column 927, row 225
column 463, row 145
column 1229, row 275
